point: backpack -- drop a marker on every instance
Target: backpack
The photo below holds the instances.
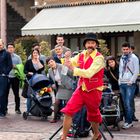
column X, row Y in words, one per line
column 81, row 126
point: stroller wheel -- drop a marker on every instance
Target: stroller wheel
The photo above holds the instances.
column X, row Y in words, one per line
column 118, row 124
column 25, row 115
column 43, row 118
column 118, row 128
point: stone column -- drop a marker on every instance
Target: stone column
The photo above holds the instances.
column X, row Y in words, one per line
column 3, row 20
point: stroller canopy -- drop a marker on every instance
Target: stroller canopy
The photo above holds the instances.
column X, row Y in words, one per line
column 39, row 81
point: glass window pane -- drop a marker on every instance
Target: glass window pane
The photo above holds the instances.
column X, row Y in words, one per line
column 73, row 44
column 121, row 40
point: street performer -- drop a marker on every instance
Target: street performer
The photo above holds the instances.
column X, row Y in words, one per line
column 89, row 66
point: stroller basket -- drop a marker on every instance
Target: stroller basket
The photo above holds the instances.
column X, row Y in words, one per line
column 110, row 109
column 46, row 100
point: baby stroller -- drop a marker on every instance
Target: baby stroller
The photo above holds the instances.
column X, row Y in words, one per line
column 110, row 109
column 39, row 96
column 80, row 127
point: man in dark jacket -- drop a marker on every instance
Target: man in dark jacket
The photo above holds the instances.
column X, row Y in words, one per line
column 5, row 68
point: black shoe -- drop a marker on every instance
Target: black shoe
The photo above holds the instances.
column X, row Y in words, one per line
column 2, row 116
column 18, row 111
column 135, row 119
column 6, row 112
column 53, row 121
column 58, row 117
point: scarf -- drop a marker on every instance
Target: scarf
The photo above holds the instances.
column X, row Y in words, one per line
column 125, row 59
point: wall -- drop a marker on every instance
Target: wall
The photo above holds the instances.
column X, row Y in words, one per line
column 137, row 42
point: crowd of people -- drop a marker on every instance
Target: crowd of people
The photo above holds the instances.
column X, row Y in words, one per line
column 87, row 67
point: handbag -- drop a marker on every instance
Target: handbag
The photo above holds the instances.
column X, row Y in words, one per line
column 67, row 79
column 67, row 82
column 25, row 90
column 113, row 75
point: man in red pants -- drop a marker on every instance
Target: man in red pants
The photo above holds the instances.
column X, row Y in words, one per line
column 89, row 66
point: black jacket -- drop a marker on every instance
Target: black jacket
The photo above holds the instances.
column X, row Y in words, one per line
column 56, row 59
column 30, row 68
column 112, row 80
column 5, row 62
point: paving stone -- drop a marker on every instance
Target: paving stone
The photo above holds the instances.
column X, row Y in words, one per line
column 14, row 127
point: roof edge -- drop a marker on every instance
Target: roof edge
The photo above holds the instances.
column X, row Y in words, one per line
column 79, row 4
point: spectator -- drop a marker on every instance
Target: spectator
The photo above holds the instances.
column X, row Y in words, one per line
column 41, row 56
column 137, row 86
column 60, row 41
column 13, row 80
column 5, row 68
column 58, row 56
column 112, row 73
column 57, row 73
column 128, row 72
column 33, row 66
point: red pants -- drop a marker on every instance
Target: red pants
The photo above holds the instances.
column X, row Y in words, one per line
column 90, row 99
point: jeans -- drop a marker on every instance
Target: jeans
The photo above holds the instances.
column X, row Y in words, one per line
column 3, row 90
column 28, row 104
column 128, row 93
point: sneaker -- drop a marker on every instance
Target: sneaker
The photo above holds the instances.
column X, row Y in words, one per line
column 18, row 111
column 127, row 125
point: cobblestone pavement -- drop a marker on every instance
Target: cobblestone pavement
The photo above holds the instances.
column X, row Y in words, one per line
column 14, row 127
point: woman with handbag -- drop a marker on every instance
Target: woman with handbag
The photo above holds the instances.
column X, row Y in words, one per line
column 63, row 84
column 112, row 73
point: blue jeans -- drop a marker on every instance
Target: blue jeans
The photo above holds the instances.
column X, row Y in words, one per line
column 128, row 93
column 28, row 104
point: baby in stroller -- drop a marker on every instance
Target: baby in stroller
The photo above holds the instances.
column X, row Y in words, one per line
column 109, row 108
column 39, row 92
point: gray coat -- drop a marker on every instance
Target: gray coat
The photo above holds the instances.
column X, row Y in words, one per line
column 61, row 92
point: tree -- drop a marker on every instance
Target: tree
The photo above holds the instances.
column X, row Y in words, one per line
column 23, row 47
column 26, row 43
column 45, row 49
column 21, row 52
column 103, row 48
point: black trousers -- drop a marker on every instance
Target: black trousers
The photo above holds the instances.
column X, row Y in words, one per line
column 14, row 84
column 3, row 89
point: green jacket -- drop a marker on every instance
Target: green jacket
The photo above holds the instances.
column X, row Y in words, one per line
column 19, row 73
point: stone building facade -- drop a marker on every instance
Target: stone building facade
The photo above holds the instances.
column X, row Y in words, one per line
column 20, row 12
column 74, row 41
column 14, row 15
